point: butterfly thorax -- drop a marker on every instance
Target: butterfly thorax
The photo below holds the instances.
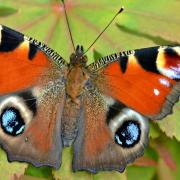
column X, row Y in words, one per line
column 77, row 75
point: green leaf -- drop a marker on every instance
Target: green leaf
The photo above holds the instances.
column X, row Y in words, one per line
column 164, row 172
column 165, row 154
column 171, row 124
column 110, row 175
column 97, row 55
column 6, row 11
column 173, row 147
column 44, row 172
column 25, row 177
column 151, row 153
column 140, row 173
column 154, row 130
column 10, row 170
column 65, row 172
column 169, row 159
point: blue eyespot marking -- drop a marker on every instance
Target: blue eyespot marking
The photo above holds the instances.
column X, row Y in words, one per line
column 128, row 134
column 11, row 121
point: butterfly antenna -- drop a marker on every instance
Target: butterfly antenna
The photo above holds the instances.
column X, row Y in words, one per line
column 67, row 20
column 110, row 22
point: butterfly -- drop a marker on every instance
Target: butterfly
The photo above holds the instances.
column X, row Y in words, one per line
column 102, row 109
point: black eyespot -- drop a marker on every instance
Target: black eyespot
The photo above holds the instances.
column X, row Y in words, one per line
column 11, row 121
column 128, row 134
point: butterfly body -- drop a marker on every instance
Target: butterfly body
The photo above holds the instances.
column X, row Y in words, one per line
column 102, row 109
column 75, row 83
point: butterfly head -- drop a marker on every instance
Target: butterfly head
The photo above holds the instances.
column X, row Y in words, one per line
column 78, row 58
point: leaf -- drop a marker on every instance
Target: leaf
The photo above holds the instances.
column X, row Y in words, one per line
column 144, row 161
column 110, row 175
column 171, row 124
column 166, row 156
column 10, row 170
column 97, row 55
column 163, row 171
column 6, row 11
column 154, row 130
column 43, row 172
column 169, row 160
column 24, row 177
column 173, row 147
column 140, row 173
column 155, row 39
column 65, row 172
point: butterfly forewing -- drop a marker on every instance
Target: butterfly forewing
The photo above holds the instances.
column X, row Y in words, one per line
column 146, row 81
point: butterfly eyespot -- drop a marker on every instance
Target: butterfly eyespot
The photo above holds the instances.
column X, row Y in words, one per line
column 129, row 128
column 11, row 121
column 15, row 114
column 128, row 134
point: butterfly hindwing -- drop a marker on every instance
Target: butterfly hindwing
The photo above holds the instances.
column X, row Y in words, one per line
column 108, row 145
column 28, row 133
column 32, row 97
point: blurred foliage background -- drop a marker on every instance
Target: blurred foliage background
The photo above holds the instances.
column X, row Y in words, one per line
column 142, row 24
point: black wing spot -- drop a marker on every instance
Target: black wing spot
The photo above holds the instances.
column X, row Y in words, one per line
column 32, row 51
column 113, row 111
column 123, row 63
column 171, row 52
column 147, row 58
column 30, row 101
column 10, row 39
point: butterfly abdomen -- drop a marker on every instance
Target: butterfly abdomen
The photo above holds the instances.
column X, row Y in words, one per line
column 69, row 122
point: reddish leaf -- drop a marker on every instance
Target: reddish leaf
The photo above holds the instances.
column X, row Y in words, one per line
column 145, row 161
column 166, row 156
